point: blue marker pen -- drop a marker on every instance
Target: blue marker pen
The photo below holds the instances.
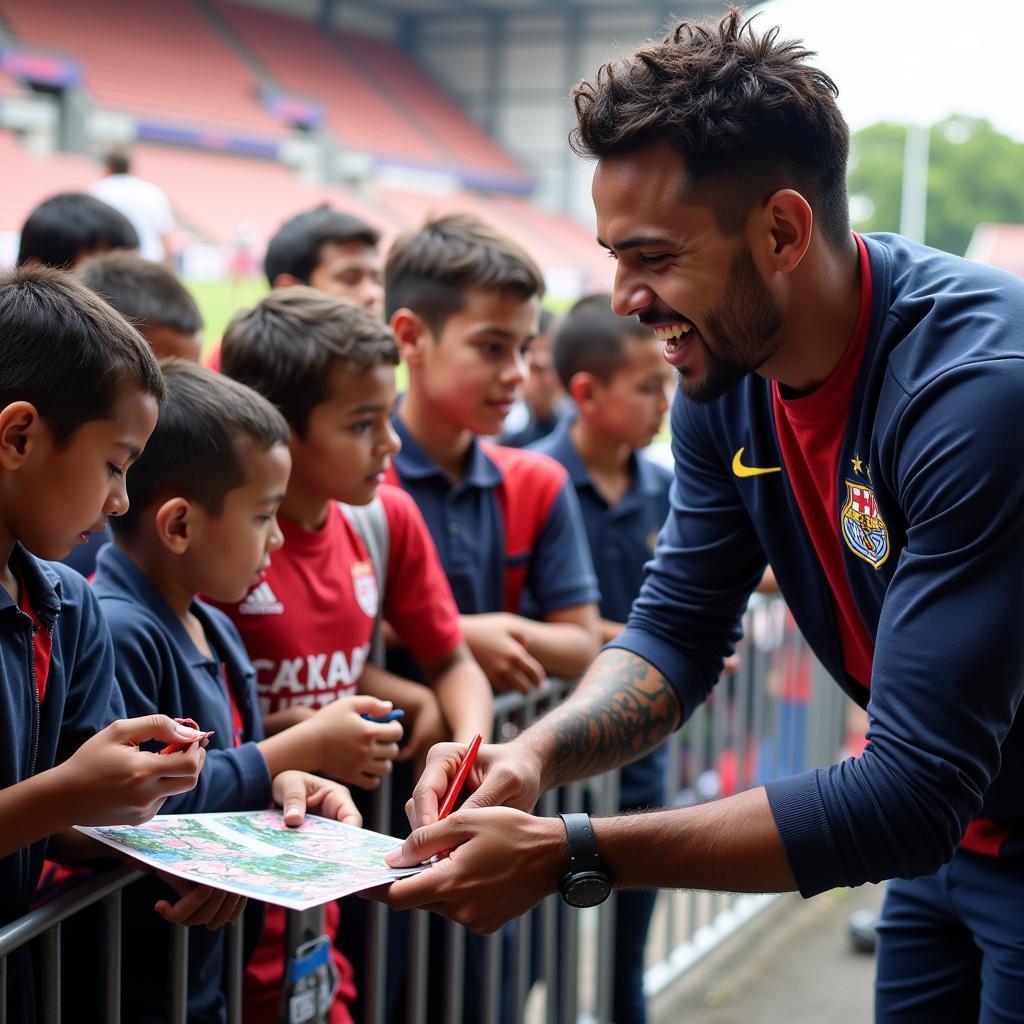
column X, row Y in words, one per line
column 391, row 716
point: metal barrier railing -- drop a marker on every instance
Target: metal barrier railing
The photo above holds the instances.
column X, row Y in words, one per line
column 777, row 714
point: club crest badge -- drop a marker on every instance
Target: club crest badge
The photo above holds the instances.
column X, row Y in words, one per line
column 863, row 529
column 364, row 581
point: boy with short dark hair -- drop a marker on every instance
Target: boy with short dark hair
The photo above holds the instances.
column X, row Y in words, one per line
column 204, row 499
column 332, row 251
column 79, row 392
column 150, row 298
column 463, row 302
column 614, row 371
column 69, row 226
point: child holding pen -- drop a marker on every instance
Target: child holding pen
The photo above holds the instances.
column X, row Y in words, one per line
column 203, row 518
column 79, row 393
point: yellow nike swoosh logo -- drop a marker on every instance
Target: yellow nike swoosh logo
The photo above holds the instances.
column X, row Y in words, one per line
column 740, row 470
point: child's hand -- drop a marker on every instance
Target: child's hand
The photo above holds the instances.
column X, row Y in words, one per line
column 428, row 725
column 352, row 748
column 298, row 792
column 499, row 646
column 199, row 904
column 110, row 781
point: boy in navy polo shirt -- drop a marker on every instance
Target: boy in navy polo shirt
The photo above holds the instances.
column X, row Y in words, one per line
column 204, row 499
column 463, row 302
column 613, row 369
column 79, row 392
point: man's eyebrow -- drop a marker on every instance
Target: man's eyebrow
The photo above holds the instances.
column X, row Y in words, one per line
column 361, row 410
column 634, row 242
column 272, row 499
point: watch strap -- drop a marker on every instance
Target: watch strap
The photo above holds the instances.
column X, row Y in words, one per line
column 582, row 844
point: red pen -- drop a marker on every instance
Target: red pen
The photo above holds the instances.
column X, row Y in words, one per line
column 460, row 777
column 173, row 748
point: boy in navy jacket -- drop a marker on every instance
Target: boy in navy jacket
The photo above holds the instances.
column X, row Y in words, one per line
column 79, row 392
column 205, row 497
column 613, row 370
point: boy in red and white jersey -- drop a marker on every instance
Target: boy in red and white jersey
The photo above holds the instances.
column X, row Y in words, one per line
column 309, row 624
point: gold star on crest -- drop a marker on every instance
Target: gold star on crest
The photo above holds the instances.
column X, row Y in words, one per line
column 858, row 466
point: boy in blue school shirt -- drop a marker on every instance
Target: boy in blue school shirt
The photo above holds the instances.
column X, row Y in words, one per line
column 614, row 371
column 463, row 302
column 203, row 518
column 79, row 393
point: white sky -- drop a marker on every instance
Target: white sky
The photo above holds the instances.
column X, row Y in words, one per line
column 914, row 60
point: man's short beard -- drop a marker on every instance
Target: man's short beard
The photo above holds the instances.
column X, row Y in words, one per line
column 745, row 327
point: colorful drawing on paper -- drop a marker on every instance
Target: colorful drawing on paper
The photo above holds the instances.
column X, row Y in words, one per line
column 255, row 854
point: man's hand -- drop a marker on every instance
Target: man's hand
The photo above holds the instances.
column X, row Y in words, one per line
column 110, row 781
column 502, row 775
column 499, row 645
column 299, row 792
column 502, row 863
column 199, row 904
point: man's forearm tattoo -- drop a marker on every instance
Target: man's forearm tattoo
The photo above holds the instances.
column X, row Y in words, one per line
column 623, row 708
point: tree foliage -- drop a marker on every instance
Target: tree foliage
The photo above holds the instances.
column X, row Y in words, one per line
column 975, row 175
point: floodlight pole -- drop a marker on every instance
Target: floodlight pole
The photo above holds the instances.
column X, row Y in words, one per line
column 914, row 200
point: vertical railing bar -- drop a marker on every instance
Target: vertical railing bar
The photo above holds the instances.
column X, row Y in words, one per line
column 112, row 966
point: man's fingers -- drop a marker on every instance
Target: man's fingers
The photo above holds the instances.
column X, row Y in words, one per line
column 425, row 842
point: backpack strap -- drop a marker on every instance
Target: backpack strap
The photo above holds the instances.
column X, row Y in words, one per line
column 371, row 523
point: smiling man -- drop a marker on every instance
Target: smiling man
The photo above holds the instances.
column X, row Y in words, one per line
column 848, row 412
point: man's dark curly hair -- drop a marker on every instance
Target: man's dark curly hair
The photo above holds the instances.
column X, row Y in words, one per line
column 746, row 112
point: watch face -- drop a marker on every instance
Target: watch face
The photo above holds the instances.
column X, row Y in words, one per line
column 587, row 889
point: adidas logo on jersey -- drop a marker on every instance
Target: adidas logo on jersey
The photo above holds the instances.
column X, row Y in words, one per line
column 261, row 601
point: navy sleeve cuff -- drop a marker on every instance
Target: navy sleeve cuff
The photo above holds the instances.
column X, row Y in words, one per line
column 800, row 817
column 675, row 666
column 254, row 776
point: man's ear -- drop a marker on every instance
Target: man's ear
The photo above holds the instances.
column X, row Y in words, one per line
column 21, row 427
column 412, row 335
column 175, row 524
column 286, row 281
column 780, row 231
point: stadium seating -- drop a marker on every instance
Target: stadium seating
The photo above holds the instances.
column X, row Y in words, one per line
column 427, row 104
column 218, row 195
column 301, row 58
column 29, row 179
column 164, row 60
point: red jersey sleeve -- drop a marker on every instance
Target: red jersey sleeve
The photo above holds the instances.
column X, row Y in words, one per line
column 418, row 602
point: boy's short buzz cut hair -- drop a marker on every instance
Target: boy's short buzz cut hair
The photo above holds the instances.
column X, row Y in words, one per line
column 144, row 292
column 295, row 246
column 70, row 225
column 66, row 351
column 207, row 425
column 286, row 347
column 593, row 341
column 429, row 269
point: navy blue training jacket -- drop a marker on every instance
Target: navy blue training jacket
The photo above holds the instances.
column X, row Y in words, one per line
column 160, row 669
column 81, row 699
column 931, row 526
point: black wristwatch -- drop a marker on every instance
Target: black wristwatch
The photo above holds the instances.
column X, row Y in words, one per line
column 586, row 883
